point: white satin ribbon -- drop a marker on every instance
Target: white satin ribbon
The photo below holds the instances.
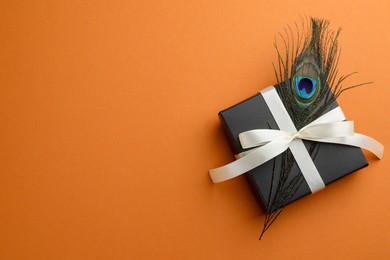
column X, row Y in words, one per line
column 269, row 143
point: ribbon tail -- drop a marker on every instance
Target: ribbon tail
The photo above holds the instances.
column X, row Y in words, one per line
column 250, row 161
column 357, row 140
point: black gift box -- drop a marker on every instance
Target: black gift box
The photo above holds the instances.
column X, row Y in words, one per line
column 333, row 161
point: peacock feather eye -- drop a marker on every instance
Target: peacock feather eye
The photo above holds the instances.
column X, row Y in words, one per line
column 305, row 87
column 306, row 83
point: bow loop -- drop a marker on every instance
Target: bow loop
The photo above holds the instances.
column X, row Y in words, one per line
column 327, row 130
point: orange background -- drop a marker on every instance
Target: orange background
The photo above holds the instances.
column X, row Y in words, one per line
column 109, row 124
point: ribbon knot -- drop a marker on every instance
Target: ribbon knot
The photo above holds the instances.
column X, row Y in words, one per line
column 265, row 144
column 295, row 135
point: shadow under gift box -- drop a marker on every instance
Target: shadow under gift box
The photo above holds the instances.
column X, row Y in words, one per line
column 333, row 161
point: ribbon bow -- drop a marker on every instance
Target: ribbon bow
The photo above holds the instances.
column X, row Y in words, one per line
column 322, row 132
column 269, row 143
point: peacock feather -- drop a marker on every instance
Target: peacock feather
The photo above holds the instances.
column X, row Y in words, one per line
column 308, row 84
